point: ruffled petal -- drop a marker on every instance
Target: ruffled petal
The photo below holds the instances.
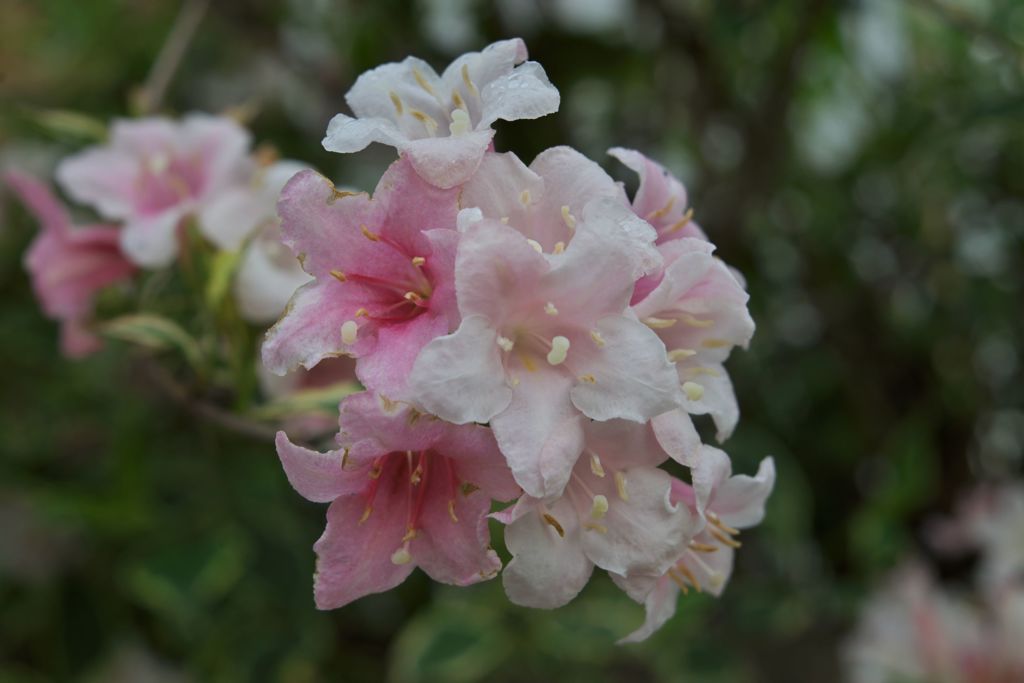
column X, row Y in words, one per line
column 318, row 477
column 448, row 161
column 659, row 606
column 346, row 134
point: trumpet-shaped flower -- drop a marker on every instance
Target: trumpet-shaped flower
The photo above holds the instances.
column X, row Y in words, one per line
column 615, row 512
column 406, row 490
column 384, row 282
column 69, row 265
column 443, row 123
column 245, row 218
column 725, row 504
column 699, row 310
column 546, row 340
column 155, row 172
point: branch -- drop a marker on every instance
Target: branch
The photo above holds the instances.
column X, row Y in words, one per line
column 149, row 97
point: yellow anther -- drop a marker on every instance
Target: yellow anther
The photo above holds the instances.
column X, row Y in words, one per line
column 524, row 197
column 401, row 556
column 693, row 391
column 722, row 538
column 469, row 83
column 372, row 236
column 594, row 526
column 505, row 343
column 362, row 313
column 417, row 476
column 700, row 370
column 703, row 547
column 397, row 101
column 428, row 122
column 422, row 81
column 410, row 534
column 679, row 581
column 660, row 323
column 663, row 210
column 418, row 261
column 681, row 223
column 374, row 472
column 413, row 297
column 696, row 322
column 588, row 378
column 558, row 248
column 717, row 521
column 338, row 275
column 349, row 332
column 568, row 218
column 451, row 510
column 553, row 523
column 536, row 246
column 620, row 486
column 685, row 571
column 598, row 339
column 366, row 514
column 599, row 508
column 595, row 465
column 559, row 350
column 715, row 343
column 550, row 309
column 457, row 100
column 676, row 355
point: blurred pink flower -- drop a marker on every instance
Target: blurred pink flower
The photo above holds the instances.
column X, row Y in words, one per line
column 68, row 264
column 443, row 123
column 384, row 284
column 155, row 172
column 406, row 490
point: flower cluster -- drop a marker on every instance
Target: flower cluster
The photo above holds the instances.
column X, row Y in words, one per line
column 916, row 629
column 525, row 333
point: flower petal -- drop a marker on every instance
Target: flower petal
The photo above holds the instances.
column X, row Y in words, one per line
column 318, row 477
column 152, row 241
column 478, row 460
column 346, row 134
column 448, row 161
column 386, row 369
column 659, row 607
column 453, row 544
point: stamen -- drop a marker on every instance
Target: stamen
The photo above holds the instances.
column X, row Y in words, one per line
column 693, row 391
column 413, row 297
column 550, row 309
column 715, row 343
column 679, row 581
column 620, row 486
column 599, row 508
column 731, row 542
column 504, row 219
column 460, row 122
column 559, row 350
column 349, row 332
column 663, row 210
column 410, row 534
column 660, row 323
column 568, row 218
column 428, row 122
column 703, row 547
column 676, row 355
column 451, row 510
column 422, row 82
column 505, row 343
column 366, row 514
column 588, row 378
column 362, row 313
column 554, row 524
column 372, row 236
column 698, row 371
column 598, row 339
column 681, row 223
column 339, row 276
column 457, row 100
column 685, row 571
column 696, row 322
column 536, row 246
column 397, row 101
column 717, row 521
column 418, row 261
column 469, row 83
column 559, row 248
column 595, row 465
column 401, row 556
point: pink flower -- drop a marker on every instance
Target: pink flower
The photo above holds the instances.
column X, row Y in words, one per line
column 699, row 310
column 245, row 218
column 153, row 173
column 443, row 123
column 615, row 513
column 383, row 267
column 661, row 199
column 406, row 490
column 704, row 561
column 547, row 340
column 69, row 265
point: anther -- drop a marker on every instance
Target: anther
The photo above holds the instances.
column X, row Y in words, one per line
column 599, row 508
column 505, row 343
column 339, row 276
column 418, row 261
column 663, row 210
column 595, row 465
column 568, row 218
column 413, row 297
column 722, row 538
column 715, row 343
column 397, row 101
column 660, row 323
column 469, row 83
column 349, row 332
column 362, row 313
column 620, row 486
column 451, row 510
column 410, row 534
column 524, row 197
column 559, row 350
column 372, row 236
column 558, row 248
column 679, row 581
column 685, row 571
column 703, row 547
column 553, row 523
column 676, row 355
column 536, row 246
column 693, row 391
column 598, row 339
column 428, row 122
column 366, row 514
column 457, row 100
column 550, row 309
column 588, row 378
column 717, row 521
column 696, row 322
column 681, row 223
column 422, row 82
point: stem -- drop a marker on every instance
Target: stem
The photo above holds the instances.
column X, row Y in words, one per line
column 167, row 61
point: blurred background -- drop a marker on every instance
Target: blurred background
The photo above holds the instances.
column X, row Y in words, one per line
column 860, row 161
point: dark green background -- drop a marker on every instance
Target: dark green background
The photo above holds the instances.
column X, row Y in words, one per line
column 860, row 162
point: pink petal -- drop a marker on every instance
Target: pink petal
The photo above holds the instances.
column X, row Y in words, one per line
column 39, row 200
column 478, row 460
column 740, row 501
column 407, row 207
column 497, row 190
column 386, row 369
column 677, row 436
column 76, row 341
column 659, row 607
column 372, row 426
column 661, row 199
column 318, row 477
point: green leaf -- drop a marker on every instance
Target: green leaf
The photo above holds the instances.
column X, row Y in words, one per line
column 222, row 269
column 67, row 123
column 321, row 400
column 154, row 332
